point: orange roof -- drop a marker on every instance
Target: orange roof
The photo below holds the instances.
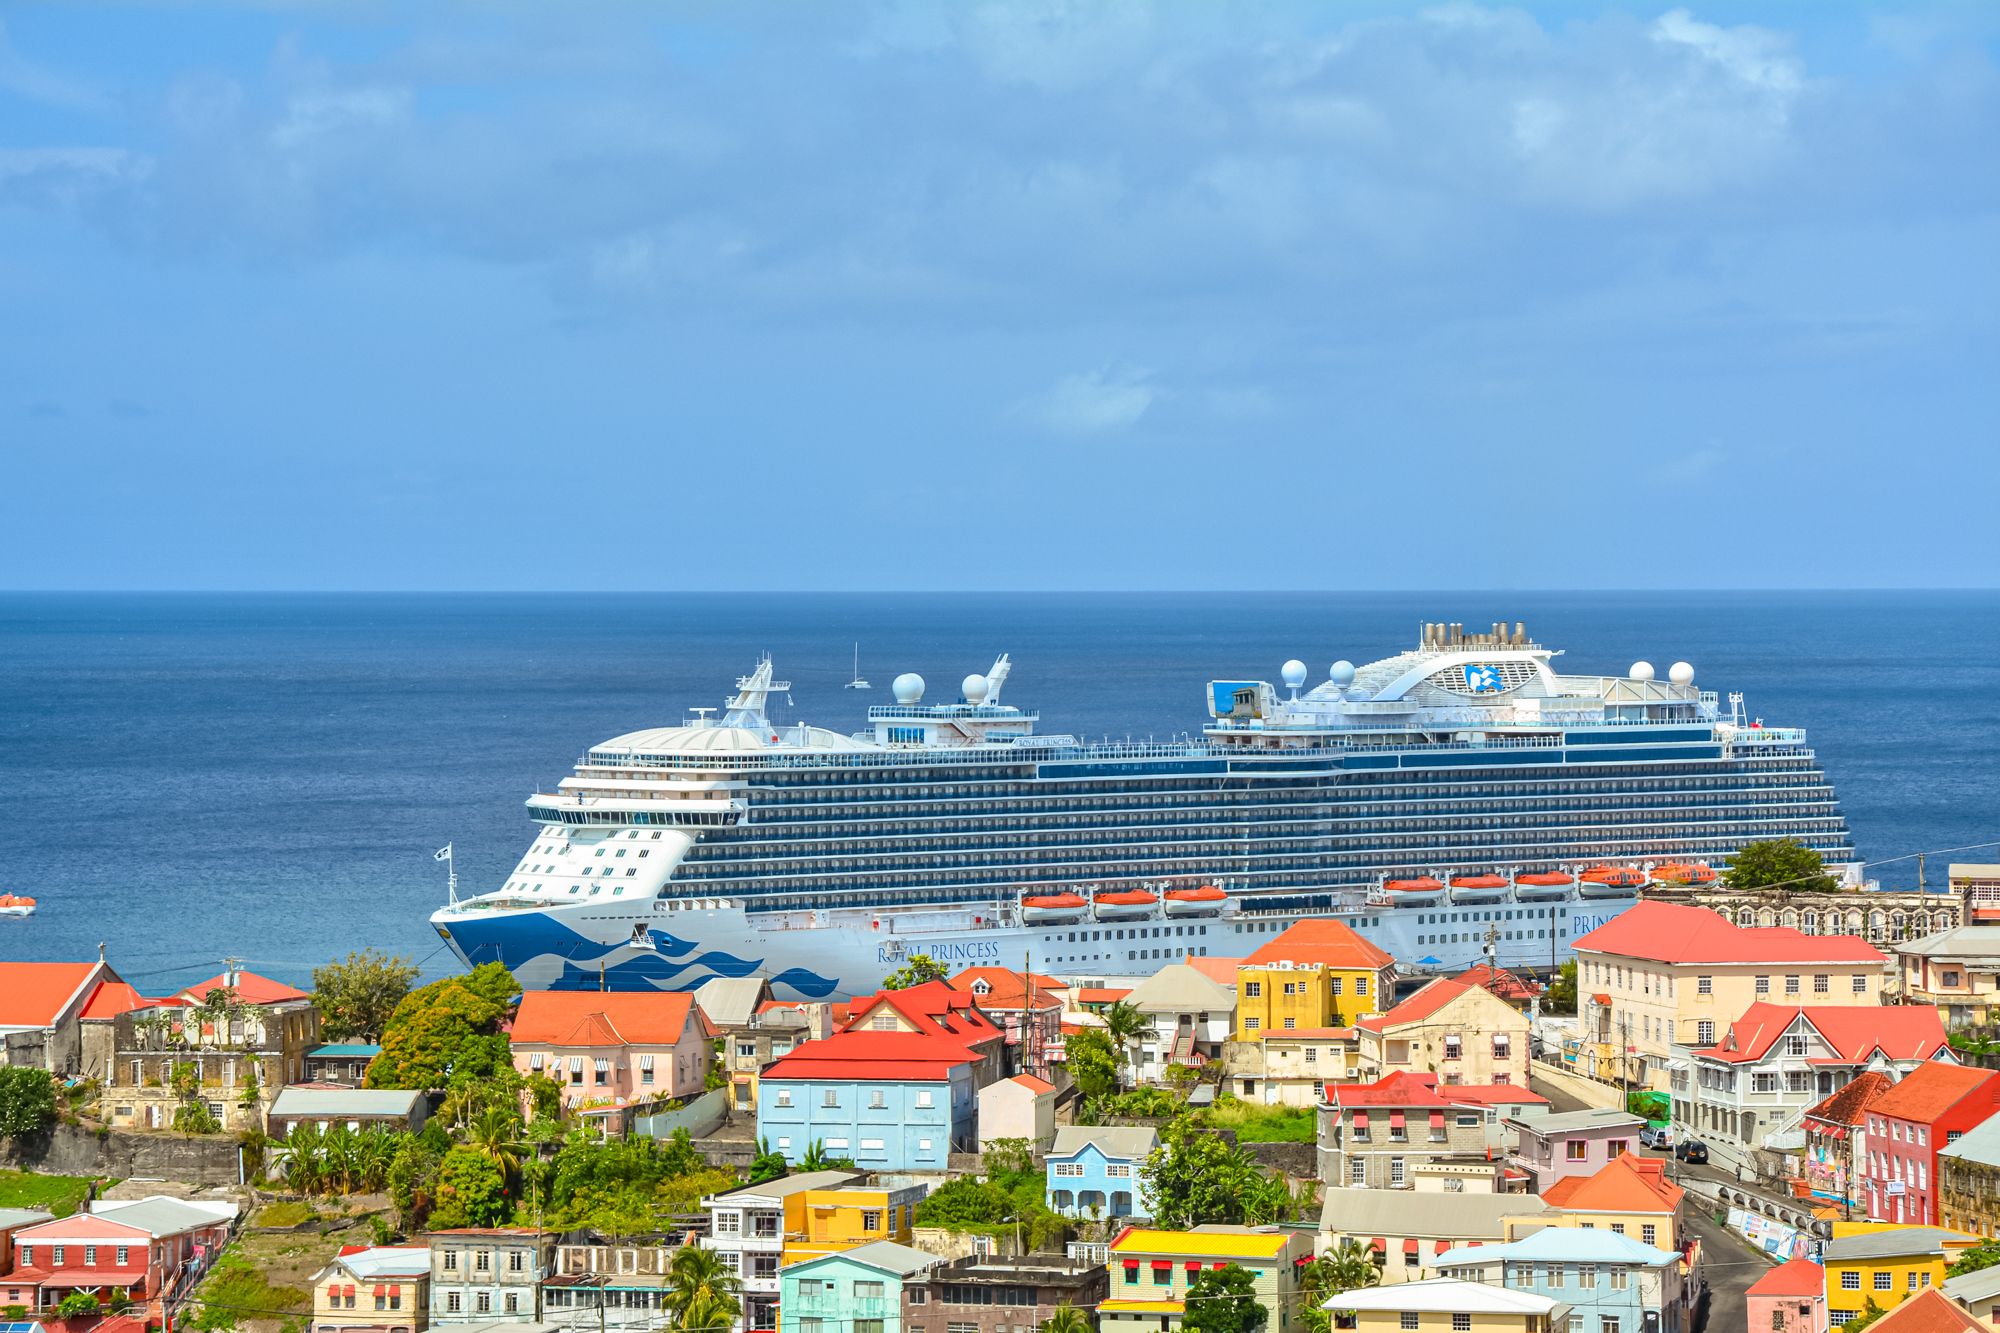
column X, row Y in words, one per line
column 35, row 995
column 1215, row 969
column 1855, row 1031
column 1627, row 1184
column 1008, row 989
column 1419, row 1006
column 602, row 1018
column 250, row 989
column 1500, row 981
column 1852, row 1102
column 1794, row 1277
column 1321, row 943
column 112, row 998
column 1677, row 933
column 1931, row 1089
column 1310, row 1034
column 1101, row 994
column 1929, row 1311
column 1032, row 1084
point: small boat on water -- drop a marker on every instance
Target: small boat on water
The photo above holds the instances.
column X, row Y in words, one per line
column 1125, row 904
column 1542, row 886
column 1684, row 873
column 1479, row 888
column 1607, row 881
column 15, row 904
column 1053, row 908
column 1208, row 900
column 1422, row 891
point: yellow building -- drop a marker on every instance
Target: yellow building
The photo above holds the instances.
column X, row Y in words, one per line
column 1151, row 1271
column 385, row 1289
column 1885, row 1263
column 822, row 1221
column 1315, row 975
column 1664, row 974
column 1443, row 1305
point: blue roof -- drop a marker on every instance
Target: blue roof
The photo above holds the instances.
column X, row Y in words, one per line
column 338, row 1048
column 21, row 1328
column 1567, row 1244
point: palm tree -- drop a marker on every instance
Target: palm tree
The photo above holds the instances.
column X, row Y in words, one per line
column 1125, row 1025
column 496, row 1134
column 303, row 1171
column 337, row 1158
column 374, row 1149
column 703, row 1292
column 1345, row 1268
column 1066, row 1318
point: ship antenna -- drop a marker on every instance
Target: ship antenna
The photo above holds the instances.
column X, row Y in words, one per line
column 450, row 872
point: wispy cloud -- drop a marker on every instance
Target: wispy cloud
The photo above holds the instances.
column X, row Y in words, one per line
column 1095, row 402
column 39, row 83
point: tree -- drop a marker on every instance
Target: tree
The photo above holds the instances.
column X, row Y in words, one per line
column 815, row 1159
column 1346, row 1268
column 1983, row 1255
column 768, row 1165
column 1093, row 1064
column 702, row 1294
column 1066, row 1318
column 1561, row 995
column 1125, row 1025
column 1223, row 1300
column 1779, row 863
column 921, row 968
column 447, row 1033
column 496, row 1136
column 78, row 1305
column 27, row 1101
column 1195, row 1177
column 413, row 1181
column 1869, row 1314
column 471, row 1191
column 356, row 996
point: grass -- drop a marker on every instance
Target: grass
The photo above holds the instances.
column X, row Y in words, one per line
column 285, row 1213
column 238, row 1293
column 61, row 1195
column 1264, row 1124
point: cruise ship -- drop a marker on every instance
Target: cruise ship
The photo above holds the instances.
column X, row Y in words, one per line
column 1460, row 797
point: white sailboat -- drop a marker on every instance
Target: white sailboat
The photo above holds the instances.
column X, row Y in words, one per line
column 858, row 683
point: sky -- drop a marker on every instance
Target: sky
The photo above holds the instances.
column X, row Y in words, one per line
column 1032, row 294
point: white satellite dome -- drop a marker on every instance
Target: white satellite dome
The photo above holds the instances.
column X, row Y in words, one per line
column 1341, row 673
column 908, row 688
column 973, row 687
column 1293, row 673
column 1681, row 673
column 1641, row 671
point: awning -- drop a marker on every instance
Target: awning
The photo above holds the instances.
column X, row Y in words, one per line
column 1378, row 1244
column 1437, row 1119
column 1194, row 1265
column 1410, row 1247
column 80, row 1279
column 1361, row 1120
column 1396, row 1120
column 1163, row 1263
column 1440, row 1246
column 380, row 1291
column 1601, row 998
column 1218, row 1265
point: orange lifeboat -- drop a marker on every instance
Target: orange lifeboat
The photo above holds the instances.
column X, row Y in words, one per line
column 1479, row 881
column 1547, row 878
column 1422, row 891
column 1683, row 872
column 1609, row 881
column 14, row 904
column 1542, row 886
column 1478, row 888
column 1204, row 901
column 1048, row 908
column 1125, row 904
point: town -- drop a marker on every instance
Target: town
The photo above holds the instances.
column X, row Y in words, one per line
column 1734, row 1107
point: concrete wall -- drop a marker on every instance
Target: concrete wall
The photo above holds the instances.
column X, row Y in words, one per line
column 698, row 1117
column 1586, row 1090
column 67, row 1150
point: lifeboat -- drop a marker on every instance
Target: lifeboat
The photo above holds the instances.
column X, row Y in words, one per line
column 1052, row 908
column 1125, row 904
column 1479, row 889
column 1422, row 891
column 1683, row 873
column 1610, row 881
column 1204, row 901
column 1543, row 886
column 13, row 904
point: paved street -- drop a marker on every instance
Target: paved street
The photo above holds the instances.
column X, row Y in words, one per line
column 1729, row 1265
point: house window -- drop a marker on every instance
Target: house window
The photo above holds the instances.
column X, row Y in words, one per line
column 1850, row 1279
column 1360, row 986
column 516, row 1260
column 90, row 1256
column 451, row 1302
column 784, row 1096
column 482, row 1302
column 1607, row 1323
column 1396, row 1172
column 1822, row 983
column 1618, row 1279
column 1795, row 1045
column 482, row 1260
column 1704, row 1032
column 1502, row 1047
column 1452, row 1050
column 1576, row 1150
column 1461, row 1323
column 1118, row 1171
column 1763, row 985
column 1617, row 1228
column 829, row 1098
column 1649, row 1233
column 1617, row 1147
column 451, row 1261
column 1253, row 989
column 1704, row 985
column 1334, row 985
column 882, row 1023
column 1860, row 984
column 535, row 1061
column 645, row 1069
column 868, row 1291
column 1951, row 978
column 923, row 1099
column 1291, row 1023
column 1357, row 1170
column 877, row 1099
column 871, row 1219
column 1312, row 1055
column 603, row 1072
column 124, row 1256
column 1409, row 1319
column 1885, row 1281
column 1252, row 1024
column 1913, row 1279
column 1791, row 985
column 58, row 1256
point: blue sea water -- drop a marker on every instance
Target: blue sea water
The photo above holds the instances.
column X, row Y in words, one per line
column 190, row 776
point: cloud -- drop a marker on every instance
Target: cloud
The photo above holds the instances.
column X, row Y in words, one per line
column 37, row 83
column 1692, row 468
column 1096, row 402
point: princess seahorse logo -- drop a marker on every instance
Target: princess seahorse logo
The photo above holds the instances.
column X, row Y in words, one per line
column 1482, row 678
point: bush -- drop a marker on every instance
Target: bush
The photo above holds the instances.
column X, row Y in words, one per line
column 78, row 1305
column 27, row 1101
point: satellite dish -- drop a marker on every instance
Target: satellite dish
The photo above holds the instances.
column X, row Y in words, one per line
column 973, row 688
column 1641, row 671
column 1342, row 673
column 1681, row 673
column 908, row 688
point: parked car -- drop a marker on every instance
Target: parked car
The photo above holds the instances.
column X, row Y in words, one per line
column 1656, row 1136
column 1691, row 1150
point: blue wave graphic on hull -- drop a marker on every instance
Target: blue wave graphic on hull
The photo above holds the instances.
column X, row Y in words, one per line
column 519, row 940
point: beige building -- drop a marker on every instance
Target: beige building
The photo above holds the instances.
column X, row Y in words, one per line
column 1459, row 1032
column 1291, row 1068
column 1661, row 975
column 1958, row 971
column 381, row 1290
column 1444, row 1305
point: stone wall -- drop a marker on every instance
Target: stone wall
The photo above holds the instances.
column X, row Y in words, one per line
column 1293, row 1159
column 68, row 1150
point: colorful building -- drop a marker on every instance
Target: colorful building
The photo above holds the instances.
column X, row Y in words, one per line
column 1315, row 974
column 373, row 1289
column 831, row 1218
column 1151, row 1271
column 1029, row 1008
column 1660, row 975
column 1447, row 1305
column 1405, row 1230
column 1626, row 1285
column 1907, row 1126
column 1515, row 990
column 1022, row 1107
column 342, row 1062
column 239, row 1047
column 1550, row 1148
column 1461, row 1033
column 1929, row 1312
column 1093, row 1171
column 1957, row 971
column 608, row 1288
column 482, row 1274
column 1189, row 1016
column 888, row 1100
column 1837, row 1136
column 936, row 1009
column 151, row 1252
column 1629, row 1197
column 989, row 1294
column 1791, row 1298
column 1968, row 1181
column 748, row 1228
column 1372, row 1135
column 852, row 1291
column 1289, row 1067
column 614, row 1049
column 41, row 1013
column 1867, row 1261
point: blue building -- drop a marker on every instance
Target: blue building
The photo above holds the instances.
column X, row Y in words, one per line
column 1094, row 1172
column 1611, row 1283
column 890, row 1101
column 851, row 1291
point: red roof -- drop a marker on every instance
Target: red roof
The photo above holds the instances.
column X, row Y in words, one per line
column 1407, row 1089
column 35, row 995
column 1321, row 943
column 1627, row 1184
column 1419, row 1006
column 250, row 989
column 1032, row 1084
column 935, row 1007
column 874, row 1057
column 1929, row 1311
column 1500, row 981
column 1901, row 1032
column 1008, row 989
column 1493, row 1094
column 112, row 998
column 602, row 1018
column 1315, row 1034
column 1849, row 1105
column 1933, row 1088
column 1676, row 933
column 1101, row 994
column 1794, row 1277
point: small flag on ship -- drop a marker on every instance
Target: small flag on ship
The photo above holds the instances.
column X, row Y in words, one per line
column 443, row 853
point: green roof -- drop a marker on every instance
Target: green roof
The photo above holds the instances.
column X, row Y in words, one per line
column 345, row 1048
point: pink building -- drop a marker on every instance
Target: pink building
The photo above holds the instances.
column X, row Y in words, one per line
column 612, row 1049
column 1575, row 1143
column 150, row 1251
column 1791, row 1298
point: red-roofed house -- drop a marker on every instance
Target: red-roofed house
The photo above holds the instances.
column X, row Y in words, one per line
column 1630, row 1195
column 1929, row 1311
column 151, row 1251
column 1028, row 1007
column 1660, row 975
column 1021, row 1107
column 248, row 987
column 612, row 1048
column 41, row 1008
column 1927, row 1110
column 1376, row 1135
column 1791, row 1298
column 889, row 1100
column 1837, row 1138
column 1517, row 991
column 937, row 1008
column 1749, row 1093
column 1465, row 1033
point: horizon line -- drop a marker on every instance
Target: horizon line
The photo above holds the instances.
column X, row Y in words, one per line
column 974, row 591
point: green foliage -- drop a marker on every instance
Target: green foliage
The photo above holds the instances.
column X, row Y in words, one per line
column 58, row 1195
column 194, row 1118
column 1139, row 1103
column 1349, row 1267
column 1223, row 1300
column 413, row 1180
column 1194, row 1177
column 815, row 1159
column 382, row 1231
column 545, row 1100
column 356, row 996
column 471, row 1191
column 768, row 1165
column 1008, row 1158
column 1779, row 863
column 1263, row 1124
column 13, row 1313
column 921, row 968
column 1561, row 995
column 702, row 1294
column 233, row 1286
column 1066, row 1318
column 1984, row 1255
column 1010, row 1195
column 1125, row 1025
column 185, row 1080
column 27, row 1101
column 1092, row 1062
column 625, row 1186
column 78, row 1305
column 1869, row 1314
column 447, row 1033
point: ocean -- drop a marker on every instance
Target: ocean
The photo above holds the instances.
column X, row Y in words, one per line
column 194, row 776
